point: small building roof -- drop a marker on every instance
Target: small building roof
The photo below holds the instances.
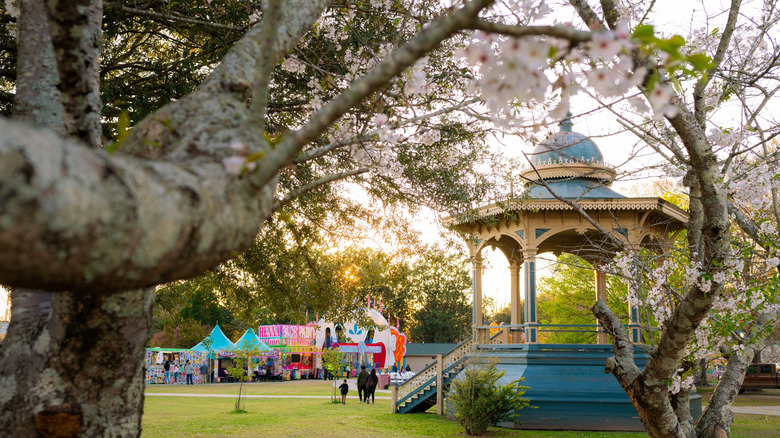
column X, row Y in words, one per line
column 567, row 146
column 577, row 188
column 428, row 349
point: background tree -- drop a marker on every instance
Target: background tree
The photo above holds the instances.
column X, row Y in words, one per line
column 333, row 361
column 565, row 297
column 441, row 286
column 502, row 315
column 241, row 370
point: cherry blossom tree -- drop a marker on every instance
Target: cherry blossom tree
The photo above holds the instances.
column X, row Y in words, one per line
column 725, row 298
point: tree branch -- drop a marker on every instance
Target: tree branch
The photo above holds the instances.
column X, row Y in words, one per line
column 37, row 97
column 208, row 120
column 587, row 15
column 563, row 32
column 725, row 38
column 320, row 151
column 76, row 34
column 121, row 222
column 622, row 365
column 293, row 194
column 172, row 17
column 611, row 14
column 266, row 61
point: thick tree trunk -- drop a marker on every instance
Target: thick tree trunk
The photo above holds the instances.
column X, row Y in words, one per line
column 72, row 364
column 717, row 418
column 701, row 374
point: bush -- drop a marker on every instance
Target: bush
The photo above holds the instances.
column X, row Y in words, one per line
column 480, row 401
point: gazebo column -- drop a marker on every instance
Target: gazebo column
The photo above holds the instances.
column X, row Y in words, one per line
column 601, row 295
column 476, row 318
column 515, row 303
column 635, row 330
column 529, row 266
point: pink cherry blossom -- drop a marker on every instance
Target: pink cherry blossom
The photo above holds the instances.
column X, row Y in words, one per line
column 660, row 100
column 234, row 165
column 379, row 119
column 605, row 45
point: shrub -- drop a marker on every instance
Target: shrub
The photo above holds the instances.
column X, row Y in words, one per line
column 480, row 401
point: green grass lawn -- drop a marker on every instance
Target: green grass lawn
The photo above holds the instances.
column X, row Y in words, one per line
column 764, row 397
column 295, row 387
column 211, row 417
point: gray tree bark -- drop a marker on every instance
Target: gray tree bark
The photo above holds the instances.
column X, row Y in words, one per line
column 59, row 376
column 62, row 377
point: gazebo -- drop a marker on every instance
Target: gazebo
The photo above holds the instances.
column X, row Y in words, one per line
column 567, row 177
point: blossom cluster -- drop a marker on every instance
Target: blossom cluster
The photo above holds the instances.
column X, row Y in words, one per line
column 514, row 71
column 238, row 164
column 680, row 380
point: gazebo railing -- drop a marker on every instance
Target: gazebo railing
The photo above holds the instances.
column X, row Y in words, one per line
column 513, row 333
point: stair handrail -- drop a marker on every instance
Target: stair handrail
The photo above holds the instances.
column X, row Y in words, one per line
column 423, row 377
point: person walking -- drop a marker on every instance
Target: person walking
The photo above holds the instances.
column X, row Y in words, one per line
column 204, row 373
column 344, row 390
column 362, row 378
column 188, row 372
column 167, row 368
column 371, row 383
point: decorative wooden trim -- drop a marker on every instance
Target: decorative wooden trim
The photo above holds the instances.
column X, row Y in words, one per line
column 642, row 204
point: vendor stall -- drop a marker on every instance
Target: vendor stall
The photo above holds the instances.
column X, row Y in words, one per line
column 211, row 347
column 177, row 358
column 258, row 368
column 298, row 356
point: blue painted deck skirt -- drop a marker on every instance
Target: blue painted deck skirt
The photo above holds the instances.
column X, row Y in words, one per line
column 568, row 386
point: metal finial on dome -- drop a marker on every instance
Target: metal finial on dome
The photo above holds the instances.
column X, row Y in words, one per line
column 566, row 124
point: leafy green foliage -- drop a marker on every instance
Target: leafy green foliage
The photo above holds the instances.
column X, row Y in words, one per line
column 693, row 64
column 333, row 360
column 441, row 285
column 480, row 400
column 241, row 366
column 185, row 334
column 566, row 297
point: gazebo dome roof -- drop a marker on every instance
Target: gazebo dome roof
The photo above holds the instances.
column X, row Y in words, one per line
column 566, row 146
column 568, row 155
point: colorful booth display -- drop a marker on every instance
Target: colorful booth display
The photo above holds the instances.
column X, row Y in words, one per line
column 379, row 346
column 156, row 358
column 297, row 353
column 215, row 346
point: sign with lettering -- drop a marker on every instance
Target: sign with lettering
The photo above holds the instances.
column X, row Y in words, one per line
column 268, row 331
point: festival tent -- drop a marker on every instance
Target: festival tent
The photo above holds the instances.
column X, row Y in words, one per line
column 214, row 342
column 250, row 340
